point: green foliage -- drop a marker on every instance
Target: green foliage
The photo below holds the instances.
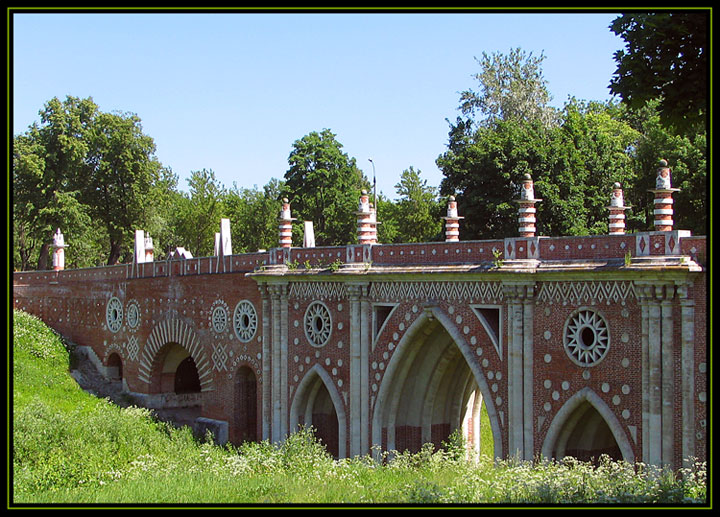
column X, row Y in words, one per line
column 511, row 87
column 665, row 57
column 573, row 165
column 70, row 447
column 416, row 214
column 323, row 185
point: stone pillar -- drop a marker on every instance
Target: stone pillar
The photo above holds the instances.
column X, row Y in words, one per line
column 284, row 391
column 139, row 246
column 658, row 373
column 365, row 344
column 663, row 192
column 666, row 294
column 617, row 209
column 225, row 238
column 452, row 221
column 285, row 225
column 267, row 363
column 367, row 222
column 687, row 372
column 276, row 396
column 355, row 307
column 58, row 251
column 526, row 209
column 519, row 373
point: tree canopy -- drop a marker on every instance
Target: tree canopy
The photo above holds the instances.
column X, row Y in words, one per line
column 95, row 175
column 323, row 185
column 665, row 58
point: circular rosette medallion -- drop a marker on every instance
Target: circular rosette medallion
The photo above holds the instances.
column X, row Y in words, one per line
column 587, row 339
column 133, row 315
column 318, row 324
column 245, row 321
column 114, row 314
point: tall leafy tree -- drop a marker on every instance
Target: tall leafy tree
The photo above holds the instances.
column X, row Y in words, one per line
column 198, row 213
column 323, row 185
column 573, row 165
column 511, row 87
column 665, row 57
column 417, row 209
column 687, row 157
column 46, row 195
column 253, row 216
column 117, row 176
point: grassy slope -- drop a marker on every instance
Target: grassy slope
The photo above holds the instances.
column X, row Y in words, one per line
column 71, row 447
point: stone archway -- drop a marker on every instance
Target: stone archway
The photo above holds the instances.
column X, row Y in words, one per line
column 114, row 367
column 585, row 427
column 178, row 332
column 317, row 403
column 431, row 388
column 245, row 411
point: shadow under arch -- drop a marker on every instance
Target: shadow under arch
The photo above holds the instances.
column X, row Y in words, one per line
column 315, row 396
column 575, row 419
column 429, row 378
column 175, row 331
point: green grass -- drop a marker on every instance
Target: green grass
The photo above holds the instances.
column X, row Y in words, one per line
column 72, row 448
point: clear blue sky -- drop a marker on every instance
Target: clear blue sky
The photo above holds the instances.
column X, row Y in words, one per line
column 231, row 92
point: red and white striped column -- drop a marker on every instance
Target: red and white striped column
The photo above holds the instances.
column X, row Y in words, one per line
column 285, row 225
column 58, row 251
column 452, row 221
column 526, row 210
column 616, row 223
column 663, row 191
column 367, row 220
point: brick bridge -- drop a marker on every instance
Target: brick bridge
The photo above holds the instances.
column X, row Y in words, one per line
column 574, row 345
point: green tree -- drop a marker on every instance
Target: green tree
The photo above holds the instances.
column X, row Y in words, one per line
column 511, row 87
column 46, row 196
column 323, row 185
column 573, row 166
column 254, row 215
column 666, row 58
column 687, row 157
column 417, row 209
column 198, row 213
column 116, row 180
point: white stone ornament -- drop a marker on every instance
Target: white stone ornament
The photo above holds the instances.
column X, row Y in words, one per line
column 114, row 314
column 318, row 324
column 245, row 321
column 586, row 339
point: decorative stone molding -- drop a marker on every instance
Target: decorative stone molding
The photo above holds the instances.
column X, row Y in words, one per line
column 461, row 291
column 586, row 338
column 318, row 324
column 586, row 292
column 114, row 314
column 245, row 321
column 318, row 290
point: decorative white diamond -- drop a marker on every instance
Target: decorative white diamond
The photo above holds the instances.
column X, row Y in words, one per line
column 132, row 348
column 219, row 358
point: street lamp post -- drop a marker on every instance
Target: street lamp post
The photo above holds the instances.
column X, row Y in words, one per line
column 374, row 186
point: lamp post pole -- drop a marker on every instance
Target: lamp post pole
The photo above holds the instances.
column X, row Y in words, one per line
column 374, row 186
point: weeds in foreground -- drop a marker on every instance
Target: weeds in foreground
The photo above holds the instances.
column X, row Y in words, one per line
column 70, row 447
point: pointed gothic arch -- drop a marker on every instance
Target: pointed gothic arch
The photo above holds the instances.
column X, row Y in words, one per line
column 431, row 382
column 318, row 403
column 585, row 426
